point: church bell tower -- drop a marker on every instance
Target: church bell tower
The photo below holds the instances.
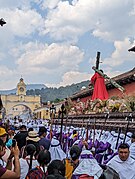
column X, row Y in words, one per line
column 21, row 88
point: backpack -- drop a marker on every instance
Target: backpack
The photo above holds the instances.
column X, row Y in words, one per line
column 36, row 173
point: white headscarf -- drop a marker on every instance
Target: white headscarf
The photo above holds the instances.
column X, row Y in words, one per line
column 56, row 151
column 132, row 150
column 125, row 169
column 88, row 166
column 128, row 138
column 113, row 142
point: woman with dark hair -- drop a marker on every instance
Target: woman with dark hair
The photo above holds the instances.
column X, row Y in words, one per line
column 28, row 161
column 40, row 171
column 56, row 167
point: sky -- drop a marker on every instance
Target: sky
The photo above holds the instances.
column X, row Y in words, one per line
column 55, row 42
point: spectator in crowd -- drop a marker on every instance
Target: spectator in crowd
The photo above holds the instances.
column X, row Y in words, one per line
column 56, row 167
column 21, row 136
column 122, row 163
column 11, row 132
column 28, row 161
column 3, row 137
column 6, row 172
column 33, row 138
column 72, row 162
column 43, row 140
column 44, row 159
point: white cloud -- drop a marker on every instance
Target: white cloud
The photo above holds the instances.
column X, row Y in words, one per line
column 21, row 22
column 27, row 49
column 121, row 54
column 50, row 58
column 39, row 63
column 7, row 76
column 105, row 21
column 51, row 4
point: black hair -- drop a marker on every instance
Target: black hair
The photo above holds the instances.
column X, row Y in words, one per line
column 36, row 144
column 22, row 127
column 75, row 152
column 1, row 144
column 56, row 167
column 74, row 132
column 42, row 130
column 123, row 146
column 133, row 136
column 30, row 129
column 30, row 149
column 44, row 157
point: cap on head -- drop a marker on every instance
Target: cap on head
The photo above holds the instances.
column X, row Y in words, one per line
column 2, row 131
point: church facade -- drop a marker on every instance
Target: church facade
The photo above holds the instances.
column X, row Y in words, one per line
column 15, row 104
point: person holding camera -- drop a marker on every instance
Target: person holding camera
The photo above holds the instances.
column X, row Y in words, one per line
column 3, row 137
column 6, row 172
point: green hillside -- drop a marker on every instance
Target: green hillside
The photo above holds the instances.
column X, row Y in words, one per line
column 57, row 94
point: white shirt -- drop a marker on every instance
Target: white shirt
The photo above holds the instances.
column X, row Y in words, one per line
column 132, row 150
column 125, row 169
column 25, row 167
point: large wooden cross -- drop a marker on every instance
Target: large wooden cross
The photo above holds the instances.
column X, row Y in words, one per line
column 96, row 69
column 97, row 61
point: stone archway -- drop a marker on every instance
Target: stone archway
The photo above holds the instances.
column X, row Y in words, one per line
column 21, row 111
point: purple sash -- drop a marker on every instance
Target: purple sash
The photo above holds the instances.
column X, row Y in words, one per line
column 87, row 156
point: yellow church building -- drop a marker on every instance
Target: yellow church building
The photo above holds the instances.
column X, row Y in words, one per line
column 16, row 104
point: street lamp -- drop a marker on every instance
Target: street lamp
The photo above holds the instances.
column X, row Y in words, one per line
column 52, row 111
column 52, row 115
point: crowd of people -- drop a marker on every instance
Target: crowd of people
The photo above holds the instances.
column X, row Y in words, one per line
column 27, row 152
